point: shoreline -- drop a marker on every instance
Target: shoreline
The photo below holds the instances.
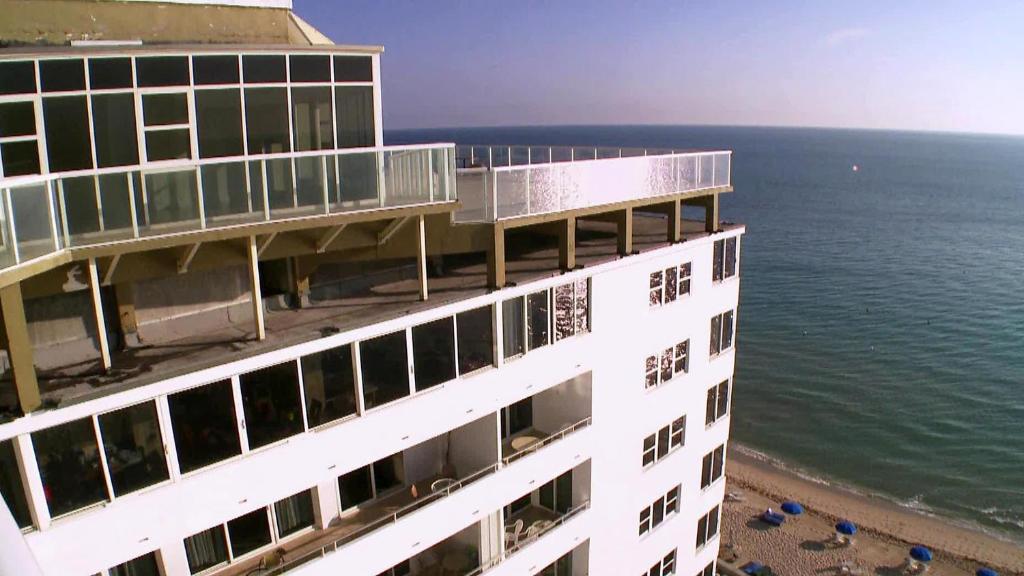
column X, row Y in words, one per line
column 962, row 547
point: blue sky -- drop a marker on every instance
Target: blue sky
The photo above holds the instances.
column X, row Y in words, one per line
column 917, row 65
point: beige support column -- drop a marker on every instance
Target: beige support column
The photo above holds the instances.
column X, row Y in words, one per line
column 675, row 221
column 421, row 255
column 124, row 293
column 300, row 272
column 256, row 296
column 567, row 244
column 97, row 309
column 19, row 347
column 624, row 231
column 496, row 259
column 711, row 213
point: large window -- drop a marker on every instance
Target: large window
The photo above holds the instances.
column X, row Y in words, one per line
column 669, row 363
column 355, row 116
column 513, row 327
column 145, row 565
column 219, row 123
column 476, row 339
column 668, row 285
column 517, row 417
column 294, row 513
column 206, row 549
column 270, row 399
column 329, row 385
column 556, row 495
column 572, row 308
column 712, row 467
column 662, row 508
column 433, row 347
column 249, row 532
column 11, row 488
column 723, row 263
column 664, row 441
column 133, row 447
column 665, row 566
column 538, row 319
column 707, row 527
column 69, row 464
column 312, row 120
column 528, row 322
column 166, row 126
column 717, row 404
column 372, row 481
column 66, row 122
column 385, row 368
column 722, row 331
column 18, row 140
column 266, row 120
column 204, row 425
column 112, row 115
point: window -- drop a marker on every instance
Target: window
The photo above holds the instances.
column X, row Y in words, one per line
column 259, row 69
column 249, row 532
column 476, row 339
column 385, row 367
column 204, row 425
column 294, row 513
column 11, row 488
column 312, row 119
column 531, row 316
column 371, row 481
column 722, row 330
column 560, row 567
column 145, row 565
column 206, row 549
column 517, row 417
column 162, row 71
column 668, row 285
column 134, row 448
column 664, row 441
column 18, row 142
column 662, row 508
column 665, row 566
column 111, row 113
column 215, row 70
column 219, row 123
column 110, row 73
column 723, row 263
column 166, row 126
column 717, row 404
column 572, row 306
column 388, row 474
column 329, row 385
column 18, row 77
column 712, row 467
column 353, row 69
column 513, row 330
column 61, row 75
column 433, row 352
column 355, row 487
column 309, row 68
column 66, row 124
column 556, row 495
column 538, row 331
column 707, row 527
column 708, row 570
column 69, row 464
column 354, row 105
column 670, row 362
column 266, row 121
column 270, row 401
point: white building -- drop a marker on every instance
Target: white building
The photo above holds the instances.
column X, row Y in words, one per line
column 244, row 337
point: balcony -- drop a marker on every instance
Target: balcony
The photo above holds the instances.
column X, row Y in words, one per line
column 536, row 421
column 506, row 183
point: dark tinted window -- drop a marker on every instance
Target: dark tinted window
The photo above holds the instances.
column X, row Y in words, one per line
column 11, row 487
column 162, row 71
column 353, row 69
column 113, row 118
column 519, row 416
column 355, row 487
column 537, row 319
column 68, row 145
column 249, row 532
column 476, row 339
column 17, row 77
column 355, row 116
column 69, row 463
column 329, row 385
column 219, row 123
column 310, row 68
column 270, row 399
column 512, row 321
column 206, row 549
column 433, row 347
column 61, row 75
column 134, row 447
column 258, row 69
column 17, row 119
column 165, row 109
column 20, row 158
column 385, row 366
column 204, row 425
column 107, row 73
column 266, row 120
column 294, row 513
column 168, row 145
column 215, row 69
column 144, row 565
column 312, row 120
column 387, row 473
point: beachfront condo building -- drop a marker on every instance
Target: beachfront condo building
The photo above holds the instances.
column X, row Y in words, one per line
column 242, row 336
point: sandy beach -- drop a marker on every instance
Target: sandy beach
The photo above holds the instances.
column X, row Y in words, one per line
column 886, row 531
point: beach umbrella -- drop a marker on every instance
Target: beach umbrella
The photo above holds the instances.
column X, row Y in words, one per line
column 921, row 554
column 792, row 508
column 986, row 572
column 848, row 528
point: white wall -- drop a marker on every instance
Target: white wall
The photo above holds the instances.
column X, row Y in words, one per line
column 563, row 405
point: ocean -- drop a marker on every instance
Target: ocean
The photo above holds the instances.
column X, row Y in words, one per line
column 881, row 323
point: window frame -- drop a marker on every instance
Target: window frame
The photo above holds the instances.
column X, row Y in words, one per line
column 713, row 461
column 37, row 110
column 713, row 416
column 653, row 374
column 674, row 439
column 720, row 255
column 716, row 343
column 658, row 293
column 660, row 511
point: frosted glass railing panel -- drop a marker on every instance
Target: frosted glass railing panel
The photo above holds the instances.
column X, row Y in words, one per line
column 30, row 229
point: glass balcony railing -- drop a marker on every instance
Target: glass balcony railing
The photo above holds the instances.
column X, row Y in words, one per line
column 501, row 182
column 40, row 215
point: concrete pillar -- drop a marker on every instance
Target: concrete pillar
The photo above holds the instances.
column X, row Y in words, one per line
column 327, row 508
column 675, row 221
column 300, row 272
column 624, row 231
column 19, row 347
column 711, row 213
column 256, row 295
column 421, row 255
column 97, row 308
column 496, row 259
column 567, row 244
column 124, row 294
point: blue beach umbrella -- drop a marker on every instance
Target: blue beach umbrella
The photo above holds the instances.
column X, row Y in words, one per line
column 986, row 572
column 792, row 508
column 921, row 554
column 847, row 527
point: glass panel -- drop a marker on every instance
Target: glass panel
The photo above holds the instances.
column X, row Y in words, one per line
column 433, row 352
column 666, row 364
column 385, row 366
column 17, row 119
column 162, row 71
column 215, row 69
column 263, row 68
column 266, row 120
column 249, row 532
column 219, row 123
column 355, row 487
column 165, row 109
column 61, row 75
column 11, row 488
column 705, row 471
column 520, row 416
column 329, row 384
column 709, row 409
column 106, row 73
column 312, row 119
column 671, row 284
column 713, row 522
column 564, row 306
column 310, row 68
column 513, row 339
column 294, row 513
column 18, row 77
column 658, row 511
column 702, row 529
column 730, row 257
column 68, row 144
column 279, row 181
column 651, row 371
column 206, row 549
column 170, row 197
column 309, row 181
column 270, row 401
column 69, row 464
column 113, row 119
column 32, row 220
column 723, row 398
column 719, row 462
column 716, row 334
column 355, row 116
column 20, row 158
column 682, row 360
column 358, row 176
column 537, row 319
column 353, row 69
column 168, row 145
column 134, row 448
column 727, row 330
column 546, row 495
column 476, row 339
column 80, row 209
column 204, row 425
column 387, row 473
column 716, row 261
column 224, row 192
column 145, row 565
column 663, row 442
column 117, row 208
column 563, row 492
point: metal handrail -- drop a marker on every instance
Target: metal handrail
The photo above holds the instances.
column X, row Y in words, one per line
column 498, row 156
column 548, row 440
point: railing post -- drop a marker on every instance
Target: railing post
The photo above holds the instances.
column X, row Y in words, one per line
column 199, row 198
column 10, row 221
column 62, row 206
column 326, row 188
column 131, row 204
column 53, row 216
